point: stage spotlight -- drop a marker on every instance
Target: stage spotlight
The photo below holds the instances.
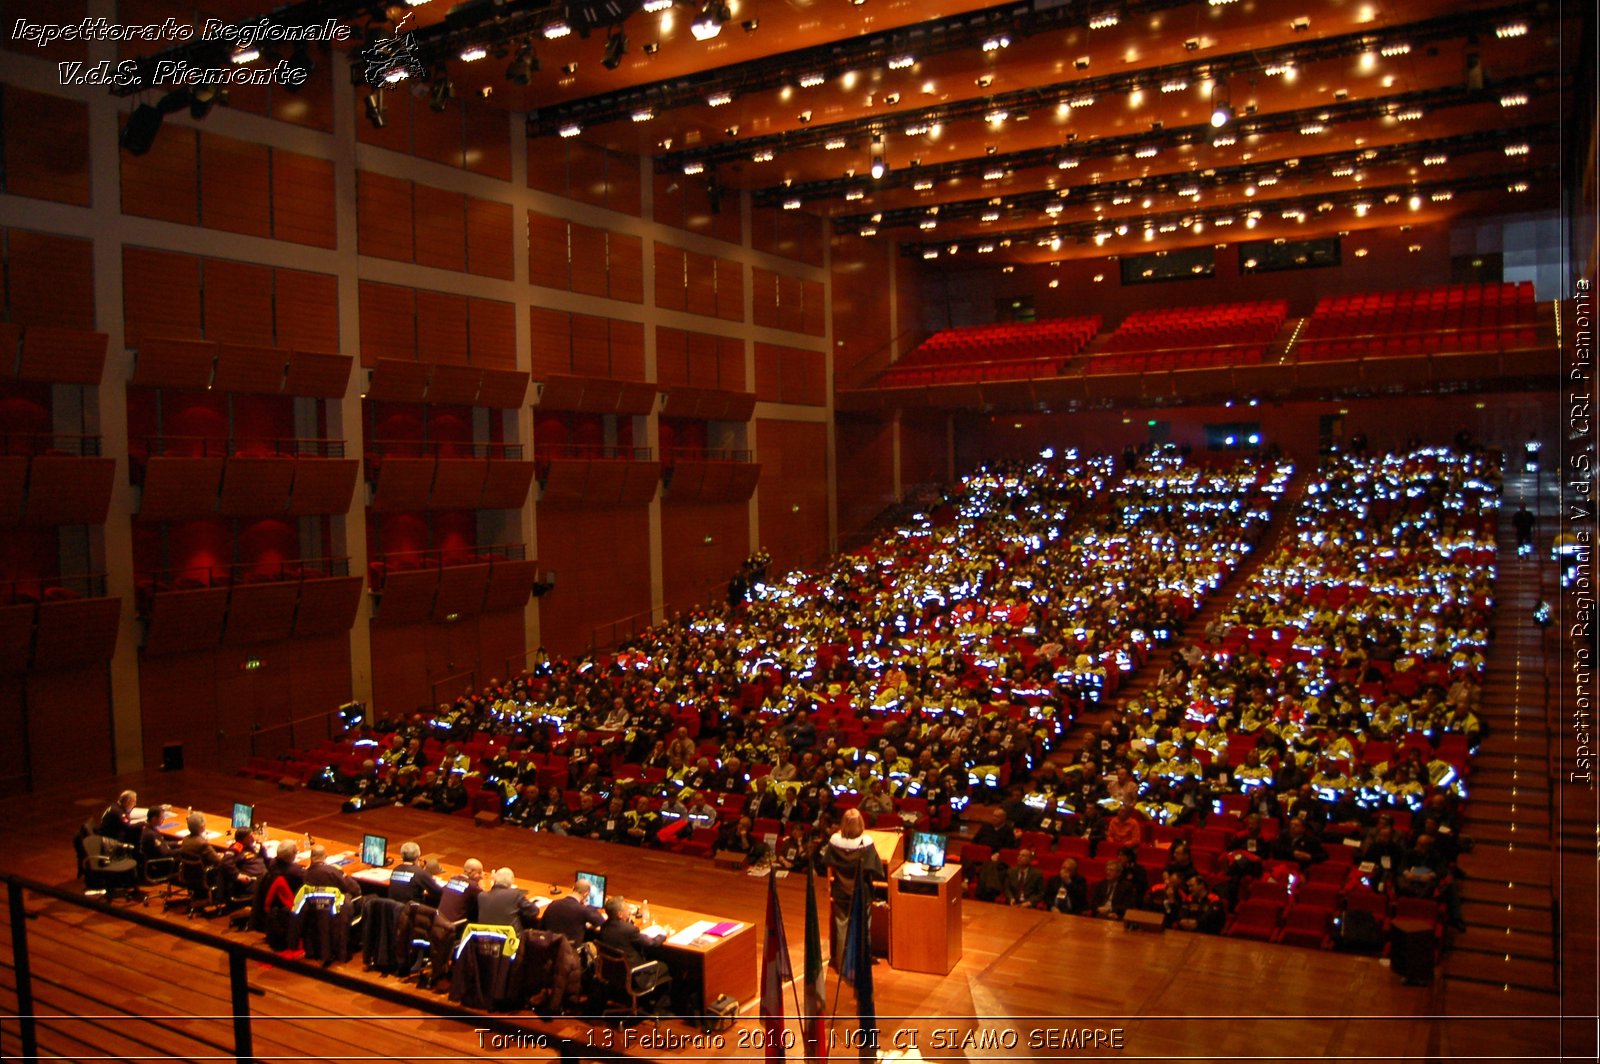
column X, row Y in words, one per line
column 879, row 165
column 616, row 48
column 375, row 111
column 1221, row 115
column 203, row 97
column 140, row 132
column 709, row 24
column 301, row 64
column 523, row 65
column 440, row 93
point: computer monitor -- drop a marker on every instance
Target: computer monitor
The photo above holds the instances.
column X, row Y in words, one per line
column 927, row 849
column 597, row 888
column 374, row 850
column 244, row 815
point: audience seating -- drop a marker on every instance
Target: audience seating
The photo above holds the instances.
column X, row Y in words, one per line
column 1454, row 318
column 1176, row 338
column 1005, row 351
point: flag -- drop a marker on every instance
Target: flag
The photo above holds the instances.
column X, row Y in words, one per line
column 775, row 972
column 813, row 1022
column 857, row 966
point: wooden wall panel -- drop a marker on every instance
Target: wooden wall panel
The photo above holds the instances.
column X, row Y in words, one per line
column 591, row 346
column 489, row 238
column 588, row 259
column 730, row 364
column 671, row 289
column 730, row 290
column 627, row 350
column 693, row 571
column 49, row 280
column 302, row 199
column 672, row 356
column 701, row 349
column 441, row 327
column 551, row 342
column 626, row 255
column 701, row 271
column 623, row 188
column 492, row 333
column 486, row 133
column 791, row 303
column 547, row 251
column 70, row 710
column 794, row 491
column 46, row 146
column 441, row 228
column 593, row 587
column 866, row 481
column 160, row 295
column 388, row 322
column 813, row 309
column 384, row 224
column 235, row 186
column 306, row 308
column 764, row 309
column 163, row 183
column 238, row 302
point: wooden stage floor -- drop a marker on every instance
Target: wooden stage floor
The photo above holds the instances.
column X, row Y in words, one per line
column 1026, row 977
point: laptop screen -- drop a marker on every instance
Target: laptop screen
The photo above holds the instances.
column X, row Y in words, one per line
column 374, row 850
column 927, row 849
column 597, row 888
column 243, row 815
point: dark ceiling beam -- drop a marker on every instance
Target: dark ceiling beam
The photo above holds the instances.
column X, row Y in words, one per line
column 1428, row 100
column 1318, row 165
column 922, row 39
column 1217, row 67
column 1311, row 204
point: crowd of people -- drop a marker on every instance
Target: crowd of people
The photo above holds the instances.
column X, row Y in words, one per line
column 940, row 666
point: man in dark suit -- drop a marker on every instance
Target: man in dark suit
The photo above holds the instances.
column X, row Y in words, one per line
column 323, row 874
column 1117, row 894
column 459, row 898
column 619, row 934
column 571, row 916
column 507, row 904
column 116, row 823
column 410, row 881
column 1068, row 892
column 1024, row 884
column 195, row 846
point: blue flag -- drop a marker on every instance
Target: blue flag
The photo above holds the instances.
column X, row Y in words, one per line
column 856, row 968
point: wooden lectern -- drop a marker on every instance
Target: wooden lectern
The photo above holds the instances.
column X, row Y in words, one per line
column 925, row 919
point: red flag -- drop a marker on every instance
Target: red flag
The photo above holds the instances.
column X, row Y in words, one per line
column 775, row 972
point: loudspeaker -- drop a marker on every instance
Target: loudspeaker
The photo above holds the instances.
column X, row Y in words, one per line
column 172, row 757
column 1411, row 955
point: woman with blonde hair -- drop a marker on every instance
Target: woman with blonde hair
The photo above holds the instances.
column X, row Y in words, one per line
column 853, row 861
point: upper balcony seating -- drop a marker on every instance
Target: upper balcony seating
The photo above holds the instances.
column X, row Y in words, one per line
column 1229, row 334
column 1453, row 318
column 1003, row 351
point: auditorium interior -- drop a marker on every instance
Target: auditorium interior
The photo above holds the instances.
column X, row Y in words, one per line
column 1139, row 444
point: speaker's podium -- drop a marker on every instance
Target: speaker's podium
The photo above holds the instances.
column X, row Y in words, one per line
column 925, row 919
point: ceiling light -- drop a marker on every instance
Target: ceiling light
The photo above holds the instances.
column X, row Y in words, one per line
column 1225, row 141
column 990, row 216
column 556, row 30
column 1067, row 164
column 811, row 81
column 995, row 118
column 1389, row 51
column 1342, row 171
column 900, row 62
column 867, row 231
column 241, row 56
column 1518, row 186
column 993, row 175
column 924, row 185
column 440, row 93
column 1513, row 99
column 994, row 44
column 644, row 114
column 931, row 253
column 694, row 167
column 1221, row 115
column 373, row 104
column 1175, row 85
column 1410, row 114
column 1516, row 149
column 473, row 53
column 650, row 7
column 1300, row 25
column 880, row 166
column 1085, row 100
column 1414, row 248
column 1361, row 253
column 719, row 99
column 523, row 66
column 1146, row 152
column 1104, row 21
column 804, row 116
column 1313, row 129
column 569, row 69
column 1511, row 29
column 928, row 223
column 791, row 204
column 709, row 24
column 1442, row 197
column 762, row 156
column 834, row 144
column 854, row 194
column 571, row 129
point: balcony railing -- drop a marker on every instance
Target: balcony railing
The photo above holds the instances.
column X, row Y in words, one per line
column 53, row 588
column 704, row 454
column 508, row 452
column 49, row 443
column 403, row 560
column 195, row 577
column 242, row 447
column 596, row 451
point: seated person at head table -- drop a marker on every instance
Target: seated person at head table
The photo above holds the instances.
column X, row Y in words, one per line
column 243, row 862
column 322, row 874
column 459, row 900
column 116, row 823
column 571, row 915
column 152, row 841
column 285, row 865
column 505, row 903
column 620, row 934
column 195, row 846
column 411, row 881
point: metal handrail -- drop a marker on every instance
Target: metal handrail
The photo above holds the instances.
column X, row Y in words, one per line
column 229, row 575
column 46, row 443
column 705, row 454
column 444, row 449
column 239, row 954
column 439, row 557
column 85, row 585
column 595, row 450
column 241, row 447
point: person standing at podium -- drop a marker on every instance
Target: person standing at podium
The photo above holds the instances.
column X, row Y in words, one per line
column 855, row 865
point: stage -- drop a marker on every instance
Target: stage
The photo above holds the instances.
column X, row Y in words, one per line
column 1030, row 984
